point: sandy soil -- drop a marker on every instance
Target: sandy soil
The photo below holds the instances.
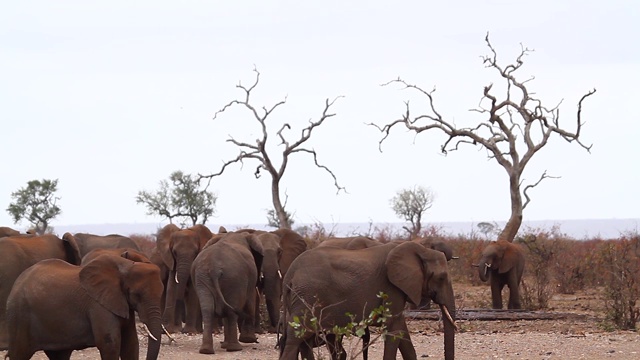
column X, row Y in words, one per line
column 576, row 337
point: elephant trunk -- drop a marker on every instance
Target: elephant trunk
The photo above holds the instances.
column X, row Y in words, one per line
column 155, row 335
column 447, row 303
column 449, row 330
column 272, row 291
column 149, row 315
column 176, row 288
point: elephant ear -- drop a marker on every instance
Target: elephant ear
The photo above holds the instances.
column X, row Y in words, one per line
column 100, row 278
column 255, row 245
column 406, row 270
column 508, row 256
column 163, row 243
column 71, row 249
column 292, row 245
column 204, row 234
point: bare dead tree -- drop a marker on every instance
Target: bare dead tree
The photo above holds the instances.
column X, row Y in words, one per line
column 258, row 149
column 514, row 129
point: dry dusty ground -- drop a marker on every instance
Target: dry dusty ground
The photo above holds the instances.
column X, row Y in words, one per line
column 580, row 336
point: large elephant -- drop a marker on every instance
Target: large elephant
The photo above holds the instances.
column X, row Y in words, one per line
column 89, row 242
column 225, row 274
column 7, row 231
column 280, row 248
column 178, row 248
column 403, row 272
column 502, row 263
column 127, row 253
column 18, row 253
column 58, row 307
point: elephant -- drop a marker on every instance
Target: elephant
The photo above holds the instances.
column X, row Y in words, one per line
column 225, row 275
column 402, row 271
column 19, row 253
column 178, row 248
column 351, row 243
column 503, row 263
column 85, row 306
column 127, row 253
column 7, row 231
column 436, row 244
column 88, row 242
column 280, row 248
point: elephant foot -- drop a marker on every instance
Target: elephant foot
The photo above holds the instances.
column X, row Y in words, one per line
column 191, row 330
column 234, row 346
column 206, row 350
column 248, row 339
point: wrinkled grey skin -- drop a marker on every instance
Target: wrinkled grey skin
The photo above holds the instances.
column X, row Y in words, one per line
column 355, row 278
column 19, row 253
column 225, row 274
column 85, row 306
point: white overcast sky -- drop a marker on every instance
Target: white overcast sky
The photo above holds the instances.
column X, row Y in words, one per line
column 110, row 98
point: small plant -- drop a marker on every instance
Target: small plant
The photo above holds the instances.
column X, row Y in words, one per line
column 311, row 324
column 622, row 281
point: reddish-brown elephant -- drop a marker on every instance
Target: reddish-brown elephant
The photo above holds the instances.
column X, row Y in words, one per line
column 85, row 306
column 502, row 263
column 178, row 248
column 20, row 252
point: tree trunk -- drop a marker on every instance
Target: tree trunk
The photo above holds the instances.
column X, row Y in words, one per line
column 513, row 225
column 277, row 204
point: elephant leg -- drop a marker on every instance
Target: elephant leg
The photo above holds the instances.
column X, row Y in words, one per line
column 58, row 354
column 208, row 319
column 514, row 293
column 399, row 338
column 129, row 346
column 193, row 312
column 247, row 322
column 366, row 338
column 231, row 333
column 334, row 344
column 306, row 351
column 496, row 292
column 171, row 307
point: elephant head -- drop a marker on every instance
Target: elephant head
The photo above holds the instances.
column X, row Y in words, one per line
column 500, row 256
column 292, row 245
column 420, row 272
column 123, row 286
column 436, row 244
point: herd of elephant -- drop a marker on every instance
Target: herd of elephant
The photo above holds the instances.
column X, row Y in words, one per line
column 63, row 294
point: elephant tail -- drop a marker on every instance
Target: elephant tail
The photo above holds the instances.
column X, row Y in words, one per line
column 221, row 307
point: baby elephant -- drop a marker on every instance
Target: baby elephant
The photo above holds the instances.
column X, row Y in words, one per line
column 58, row 307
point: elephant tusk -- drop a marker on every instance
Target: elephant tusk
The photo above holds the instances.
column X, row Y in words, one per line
column 486, row 268
column 177, row 282
column 455, row 257
column 149, row 332
column 280, row 274
column 446, row 313
column 171, row 339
